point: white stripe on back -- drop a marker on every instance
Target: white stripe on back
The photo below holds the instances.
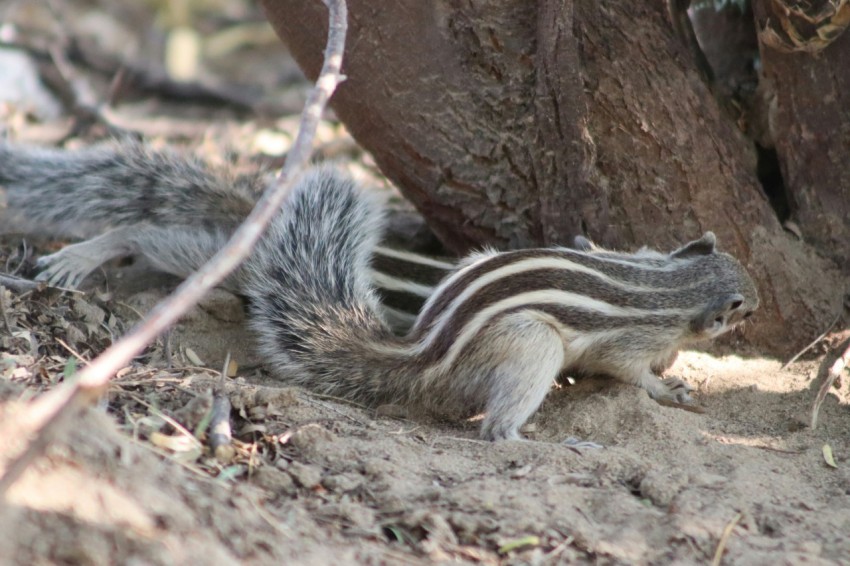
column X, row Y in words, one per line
column 514, row 268
column 413, row 258
column 548, row 296
column 390, row 283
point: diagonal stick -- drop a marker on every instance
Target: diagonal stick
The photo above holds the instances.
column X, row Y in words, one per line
column 49, row 413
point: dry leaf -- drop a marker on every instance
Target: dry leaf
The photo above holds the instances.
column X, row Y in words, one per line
column 804, row 27
column 827, row 456
column 194, row 358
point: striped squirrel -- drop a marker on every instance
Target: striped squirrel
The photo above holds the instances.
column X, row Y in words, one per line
column 494, row 333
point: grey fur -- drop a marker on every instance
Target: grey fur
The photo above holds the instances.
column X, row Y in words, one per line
column 318, row 322
column 170, row 207
column 174, row 209
column 117, row 184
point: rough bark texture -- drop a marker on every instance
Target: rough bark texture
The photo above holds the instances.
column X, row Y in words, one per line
column 810, row 127
column 518, row 124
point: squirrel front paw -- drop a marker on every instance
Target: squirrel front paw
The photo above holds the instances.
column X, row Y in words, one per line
column 677, row 390
column 671, row 389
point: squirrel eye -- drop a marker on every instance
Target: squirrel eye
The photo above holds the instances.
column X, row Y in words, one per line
column 719, row 320
column 737, row 304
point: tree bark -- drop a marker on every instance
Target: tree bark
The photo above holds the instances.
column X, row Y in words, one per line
column 809, row 94
column 518, row 124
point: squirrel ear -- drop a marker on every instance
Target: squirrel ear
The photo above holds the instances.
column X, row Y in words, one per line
column 582, row 244
column 703, row 246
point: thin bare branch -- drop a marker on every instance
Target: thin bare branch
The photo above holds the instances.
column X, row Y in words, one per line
column 88, row 110
column 19, row 285
column 813, row 342
column 834, row 373
column 48, row 413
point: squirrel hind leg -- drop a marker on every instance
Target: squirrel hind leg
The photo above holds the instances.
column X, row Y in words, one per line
column 530, row 354
column 181, row 250
column 72, row 264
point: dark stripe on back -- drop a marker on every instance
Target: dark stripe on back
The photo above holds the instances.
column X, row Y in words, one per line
column 573, row 317
column 423, row 274
column 589, row 321
column 685, row 275
column 400, row 300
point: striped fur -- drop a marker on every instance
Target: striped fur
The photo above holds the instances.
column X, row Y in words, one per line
column 404, row 281
column 496, row 332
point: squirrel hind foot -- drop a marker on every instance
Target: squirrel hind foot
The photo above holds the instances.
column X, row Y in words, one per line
column 517, row 384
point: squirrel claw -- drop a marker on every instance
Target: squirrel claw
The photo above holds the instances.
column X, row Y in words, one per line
column 678, row 391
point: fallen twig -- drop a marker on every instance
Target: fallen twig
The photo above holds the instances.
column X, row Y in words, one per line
column 150, row 81
column 19, row 285
column 51, row 412
column 220, row 437
column 71, row 351
column 834, row 373
column 721, row 544
column 684, row 406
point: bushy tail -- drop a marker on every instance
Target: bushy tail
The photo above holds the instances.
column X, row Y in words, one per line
column 76, row 193
column 311, row 300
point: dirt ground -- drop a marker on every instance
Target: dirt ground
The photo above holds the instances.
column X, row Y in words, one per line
column 317, row 481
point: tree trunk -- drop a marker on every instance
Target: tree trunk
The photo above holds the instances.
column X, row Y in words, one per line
column 517, row 124
column 809, row 94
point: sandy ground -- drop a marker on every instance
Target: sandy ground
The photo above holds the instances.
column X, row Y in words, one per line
column 316, row 481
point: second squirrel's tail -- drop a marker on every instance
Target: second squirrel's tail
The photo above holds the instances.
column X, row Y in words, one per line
column 75, row 193
column 312, row 305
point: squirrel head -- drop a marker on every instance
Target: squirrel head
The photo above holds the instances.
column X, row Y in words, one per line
column 733, row 297
column 722, row 289
column 723, row 313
